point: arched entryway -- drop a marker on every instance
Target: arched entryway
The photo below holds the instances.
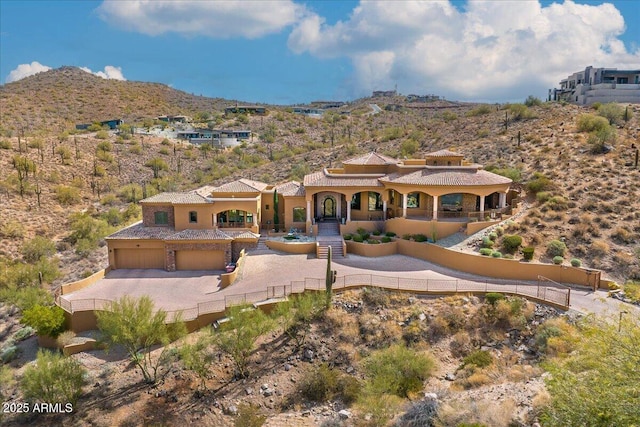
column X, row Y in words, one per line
column 329, row 207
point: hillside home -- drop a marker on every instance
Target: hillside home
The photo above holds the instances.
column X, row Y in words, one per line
column 111, row 124
column 216, row 137
column 242, row 109
column 207, row 228
column 599, row 85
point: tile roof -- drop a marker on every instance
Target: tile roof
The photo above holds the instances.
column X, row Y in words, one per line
column 448, row 177
column 241, row 234
column 139, row 231
column 291, row 188
column 207, row 234
column 176, row 198
column 241, row 186
column 371, row 159
column 321, row 179
column 443, row 153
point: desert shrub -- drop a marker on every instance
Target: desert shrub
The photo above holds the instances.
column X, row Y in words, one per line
column 557, row 260
column 385, row 239
column 319, row 383
column 348, row 389
column 65, row 338
column 12, row 229
column 420, row 238
column 449, row 116
column 390, row 234
column 408, row 147
column 520, row 112
column 46, row 320
column 611, row 111
column 23, row 333
column 555, row 336
column 543, row 196
column 397, row 370
column 406, row 236
column 532, row 101
column 5, row 145
column 538, row 183
column 479, row 358
column 460, row 344
column 37, row 248
column 493, row 236
column 379, row 408
column 486, row 251
column 67, row 195
column 632, row 291
column 9, row 353
column 358, row 238
column 557, row 203
column 556, row 248
column 496, row 254
column 102, row 134
column 373, row 241
column 376, row 297
column 499, row 230
column 511, row 243
column 487, row 242
column 420, row 414
column 53, row 378
column 479, row 111
column 104, row 146
column 347, row 237
column 591, row 123
column 376, row 232
column 249, row 416
column 493, row 297
column 528, row 253
column 575, row 262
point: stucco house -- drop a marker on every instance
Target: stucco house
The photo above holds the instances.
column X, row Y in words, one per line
column 599, row 85
column 206, row 228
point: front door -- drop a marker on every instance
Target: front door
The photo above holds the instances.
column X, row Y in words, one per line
column 329, row 207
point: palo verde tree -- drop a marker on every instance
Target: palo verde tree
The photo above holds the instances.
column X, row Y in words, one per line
column 135, row 325
column 238, row 336
column 296, row 314
column 597, row 383
column 53, row 378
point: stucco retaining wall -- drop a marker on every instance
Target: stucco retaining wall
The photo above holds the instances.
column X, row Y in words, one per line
column 81, row 284
column 365, row 249
column 292, row 248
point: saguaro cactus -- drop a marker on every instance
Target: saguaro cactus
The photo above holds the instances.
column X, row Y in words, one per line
column 329, row 277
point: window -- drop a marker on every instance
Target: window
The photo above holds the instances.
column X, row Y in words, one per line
column 355, row 201
column 451, row 202
column 161, row 218
column 193, row 217
column 392, row 197
column 249, row 218
column 299, row 214
column 375, row 201
column 413, row 200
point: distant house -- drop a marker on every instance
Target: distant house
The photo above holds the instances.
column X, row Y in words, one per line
column 327, row 104
column 383, row 93
column 422, row 98
column 174, row 119
column 307, row 111
column 242, row 109
column 599, row 85
column 217, row 137
column 113, row 124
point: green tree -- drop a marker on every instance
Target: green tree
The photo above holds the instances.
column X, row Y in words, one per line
column 53, row 379
column 238, row 336
column 157, row 165
column 138, row 327
column 598, row 139
column 597, row 384
column 67, row 195
column 46, row 320
column 64, row 153
column 297, row 313
column 532, row 101
column 198, row 357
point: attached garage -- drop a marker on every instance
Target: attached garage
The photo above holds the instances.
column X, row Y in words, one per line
column 139, row 258
column 200, row 260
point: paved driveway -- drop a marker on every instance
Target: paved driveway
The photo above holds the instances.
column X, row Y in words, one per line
column 185, row 289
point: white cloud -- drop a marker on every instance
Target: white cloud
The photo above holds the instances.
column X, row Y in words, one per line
column 26, row 70
column 110, row 72
column 217, row 19
column 491, row 50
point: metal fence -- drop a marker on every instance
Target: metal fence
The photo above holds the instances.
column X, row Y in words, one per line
column 545, row 291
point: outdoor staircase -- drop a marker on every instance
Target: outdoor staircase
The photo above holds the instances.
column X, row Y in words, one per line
column 329, row 235
column 336, row 248
column 261, row 248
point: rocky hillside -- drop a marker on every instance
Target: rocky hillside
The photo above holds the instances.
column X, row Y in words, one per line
column 588, row 201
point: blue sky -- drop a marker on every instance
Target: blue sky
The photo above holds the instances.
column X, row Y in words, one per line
column 285, row 52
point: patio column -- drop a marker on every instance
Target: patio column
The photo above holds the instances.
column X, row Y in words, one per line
column 481, row 208
column 255, row 219
column 502, row 203
column 405, row 200
column 435, row 208
column 215, row 220
column 309, row 211
column 348, row 211
column 384, row 210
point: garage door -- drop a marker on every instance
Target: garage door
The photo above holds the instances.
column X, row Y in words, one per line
column 139, row 258
column 199, row 260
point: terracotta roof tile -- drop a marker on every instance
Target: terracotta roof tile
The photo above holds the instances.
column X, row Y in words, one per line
column 208, row 234
column 139, row 231
column 371, row 159
column 320, row 179
column 241, row 186
column 448, row 177
column 241, row 234
column 291, row 188
column 443, row 153
column 176, row 198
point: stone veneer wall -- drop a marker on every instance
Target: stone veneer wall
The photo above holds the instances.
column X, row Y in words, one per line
column 171, row 249
column 237, row 247
column 148, row 215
